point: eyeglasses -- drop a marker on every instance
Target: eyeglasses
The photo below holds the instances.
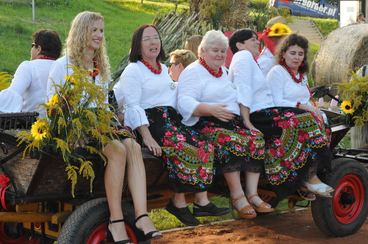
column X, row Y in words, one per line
column 173, row 63
column 34, row 44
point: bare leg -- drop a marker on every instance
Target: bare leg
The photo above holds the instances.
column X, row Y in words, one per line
column 201, row 198
column 137, row 183
column 179, row 200
column 252, row 179
column 236, row 190
column 114, row 180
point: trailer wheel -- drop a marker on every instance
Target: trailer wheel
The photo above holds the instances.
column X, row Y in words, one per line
column 88, row 224
column 347, row 210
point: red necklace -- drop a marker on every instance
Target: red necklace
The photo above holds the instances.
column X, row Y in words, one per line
column 150, row 67
column 46, row 57
column 95, row 70
column 211, row 71
column 301, row 76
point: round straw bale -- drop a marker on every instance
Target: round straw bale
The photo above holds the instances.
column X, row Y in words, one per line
column 343, row 51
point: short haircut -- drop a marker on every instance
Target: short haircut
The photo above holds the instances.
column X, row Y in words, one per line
column 211, row 38
column 136, row 47
column 49, row 41
column 291, row 40
column 183, row 56
column 240, row 36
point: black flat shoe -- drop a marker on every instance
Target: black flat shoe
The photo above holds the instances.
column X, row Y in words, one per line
column 209, row 210
column 155, row 234
column 182, row 214
column 110, row 238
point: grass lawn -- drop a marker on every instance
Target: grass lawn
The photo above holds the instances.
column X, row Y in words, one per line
column 122, row 17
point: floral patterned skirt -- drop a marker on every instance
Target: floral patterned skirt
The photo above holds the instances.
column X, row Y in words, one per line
column 236, row 148
column 188, row 156
column 295, row 141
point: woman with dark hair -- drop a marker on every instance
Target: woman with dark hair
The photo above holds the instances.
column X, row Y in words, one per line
column 148, row 96
column 28, row 87
column 295, row 142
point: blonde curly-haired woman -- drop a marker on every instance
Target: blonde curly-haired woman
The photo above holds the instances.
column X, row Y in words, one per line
column 85, row 48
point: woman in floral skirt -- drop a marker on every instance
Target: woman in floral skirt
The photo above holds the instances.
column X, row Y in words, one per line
column 148, row 96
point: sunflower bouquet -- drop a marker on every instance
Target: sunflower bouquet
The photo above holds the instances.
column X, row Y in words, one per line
column 77, row 117
column 354, row 96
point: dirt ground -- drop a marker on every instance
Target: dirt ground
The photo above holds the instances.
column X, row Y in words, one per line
column 292, row 227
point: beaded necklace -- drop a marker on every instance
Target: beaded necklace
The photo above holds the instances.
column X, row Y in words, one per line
column 297, row 80
column 95, row 71
column 150, row 67
column 211, row 71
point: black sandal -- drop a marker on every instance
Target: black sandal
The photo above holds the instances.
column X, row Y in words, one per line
column 150, row 235
column 110, row 238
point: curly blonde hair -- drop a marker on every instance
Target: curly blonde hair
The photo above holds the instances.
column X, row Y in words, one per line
column 77, row 41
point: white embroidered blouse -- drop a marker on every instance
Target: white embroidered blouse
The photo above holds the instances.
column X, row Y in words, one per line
column 266, row 61
column 139, row 89
column 197, row 85
column 27, row 90
column 285, row 91
column 252, row 87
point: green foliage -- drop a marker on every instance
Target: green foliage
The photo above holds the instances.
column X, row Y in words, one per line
column 77, row 115
column 325, row 26
column 228, row 14
column 354, row 95
column 260, row 5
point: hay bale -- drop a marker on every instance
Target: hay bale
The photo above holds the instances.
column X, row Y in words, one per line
column 343, row 51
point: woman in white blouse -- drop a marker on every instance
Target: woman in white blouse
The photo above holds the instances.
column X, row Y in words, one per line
column 121, row 154
column 148, row 95
column 294, row 141
column 28, row 87
column 208, row 102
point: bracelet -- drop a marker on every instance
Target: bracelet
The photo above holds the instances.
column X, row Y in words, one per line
column 297, row 104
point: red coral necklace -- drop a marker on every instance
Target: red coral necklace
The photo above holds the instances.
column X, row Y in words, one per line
column 95, row 70
column 297, row 80
column 211, row 71
column 150, row 67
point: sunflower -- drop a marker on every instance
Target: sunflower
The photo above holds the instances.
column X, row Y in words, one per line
column 346, row 107
column 53, row 100
column 70, row 79
column 40, row 130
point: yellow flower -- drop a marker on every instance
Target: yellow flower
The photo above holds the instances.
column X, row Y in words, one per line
column 71, row 79
column 40, row 130
column 346, row 107
column 53, row 100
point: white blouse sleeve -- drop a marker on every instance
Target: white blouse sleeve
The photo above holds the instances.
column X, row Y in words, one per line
column 277, row 81
column 242, row 77
column 129, row 89
column 11, row 99
column 56, row 77
column 189, row 93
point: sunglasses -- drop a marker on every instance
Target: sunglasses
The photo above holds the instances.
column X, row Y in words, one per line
column 173, row 63
column 33, row 44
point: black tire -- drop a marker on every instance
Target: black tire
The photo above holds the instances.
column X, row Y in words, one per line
column 347, row 211
column 86, row 219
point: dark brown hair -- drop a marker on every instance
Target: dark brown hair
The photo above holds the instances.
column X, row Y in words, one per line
column 49, row 41
column 240, row 36
column 136, row 47
column 292, row 40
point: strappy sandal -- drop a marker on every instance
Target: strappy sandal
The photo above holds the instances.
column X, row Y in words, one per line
column 263, row 207
column 246, row 212
column 110, row 238
column 155, row 234
column 306, row 195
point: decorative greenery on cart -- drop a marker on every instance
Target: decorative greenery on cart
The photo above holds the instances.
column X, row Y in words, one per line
column 354, row 95
column 77, row 117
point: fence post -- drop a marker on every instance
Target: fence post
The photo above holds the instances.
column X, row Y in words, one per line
column 33, row 11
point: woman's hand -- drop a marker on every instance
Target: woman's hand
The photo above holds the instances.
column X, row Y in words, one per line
column 221, row 113
column 149, row 141
column 313, row 110
column 152, row 146
column 250, row 126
